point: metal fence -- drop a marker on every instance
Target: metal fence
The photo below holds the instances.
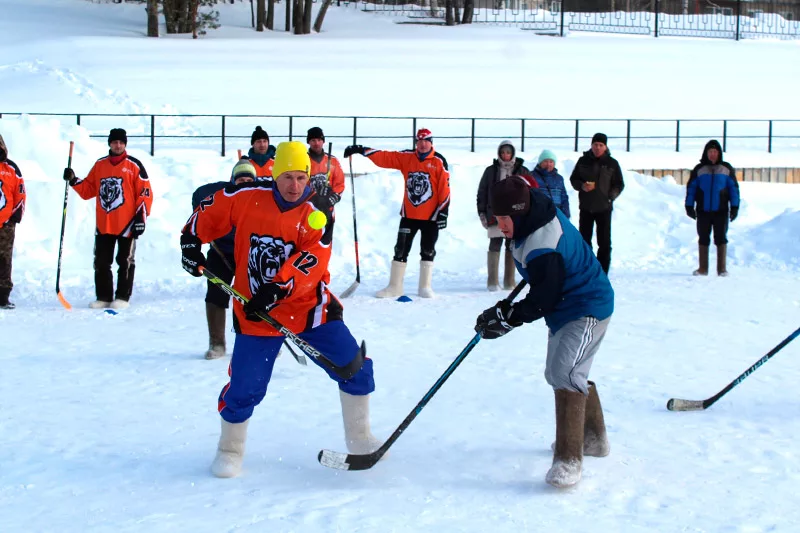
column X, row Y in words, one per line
column 229, row 132
column 729, row 19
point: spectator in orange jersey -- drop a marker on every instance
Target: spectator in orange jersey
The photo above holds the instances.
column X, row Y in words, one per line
column 425, row 207
column 261, row 154
column 327, row 177
column 122, row 188
column 282, row 267
column 12, row 207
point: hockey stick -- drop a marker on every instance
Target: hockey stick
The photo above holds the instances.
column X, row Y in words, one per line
column 349, row 461
column 676, row 404
column 352, row 288
column 299, row 358
column 61, row 298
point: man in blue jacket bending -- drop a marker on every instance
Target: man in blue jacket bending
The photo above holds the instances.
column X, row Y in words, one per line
column 570, row 290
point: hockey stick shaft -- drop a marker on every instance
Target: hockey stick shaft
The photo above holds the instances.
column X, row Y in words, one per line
column 676, row 404
column 350, row 290
column 363, row 462
column 61, row 298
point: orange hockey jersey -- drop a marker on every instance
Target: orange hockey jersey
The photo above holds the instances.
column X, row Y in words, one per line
column 427, row 181
column 335, row 178
column 122, row 191
column 272, row 244
column 12, row 191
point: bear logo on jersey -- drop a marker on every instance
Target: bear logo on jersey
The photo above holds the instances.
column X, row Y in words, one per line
column 3, row 200
column 111, row 196
column 418, row 188
column 267, row 255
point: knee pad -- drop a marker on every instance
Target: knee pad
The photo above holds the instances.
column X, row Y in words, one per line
column 427, row 255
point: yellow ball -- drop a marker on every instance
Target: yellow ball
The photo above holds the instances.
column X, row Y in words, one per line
column 317, row 219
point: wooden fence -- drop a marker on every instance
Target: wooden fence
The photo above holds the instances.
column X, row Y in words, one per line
column 767, row 175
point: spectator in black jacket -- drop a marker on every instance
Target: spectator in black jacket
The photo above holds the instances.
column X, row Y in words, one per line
column 598, row 178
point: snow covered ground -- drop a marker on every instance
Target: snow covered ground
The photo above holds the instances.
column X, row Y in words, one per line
column 109, row 422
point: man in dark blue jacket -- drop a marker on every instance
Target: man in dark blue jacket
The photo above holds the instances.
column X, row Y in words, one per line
column 220, row 260
column 712, row 187
column 570, row 290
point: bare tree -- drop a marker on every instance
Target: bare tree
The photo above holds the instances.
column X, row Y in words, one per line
column 260, row 15
column 448, row 13
column 297, row 20
column 307, row 9
column 252, row 14
column 271, row 15
column 469, row 8
column 152, row 18
column 321, row 15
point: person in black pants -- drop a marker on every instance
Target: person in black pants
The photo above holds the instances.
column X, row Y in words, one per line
column 598, row 178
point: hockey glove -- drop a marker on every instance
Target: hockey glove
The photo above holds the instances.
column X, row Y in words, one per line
column 354, row 149
column 497, row 320
column 734, row 213
column 266, row 297
column 192, row 258
column 69, row 175
column 138, row 225
column 690, row 212
column 441, row 220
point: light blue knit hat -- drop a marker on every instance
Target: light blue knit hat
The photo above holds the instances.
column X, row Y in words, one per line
column 547, row 154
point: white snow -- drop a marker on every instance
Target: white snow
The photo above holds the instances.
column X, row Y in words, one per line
column 109, row 421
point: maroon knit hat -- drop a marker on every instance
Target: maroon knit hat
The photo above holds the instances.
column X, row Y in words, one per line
column 510, row 197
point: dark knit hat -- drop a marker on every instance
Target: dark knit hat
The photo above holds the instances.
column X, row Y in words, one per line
column 512, row 196
column 600, row 138
column 117, row 134
column 315, row 133
column 258, row 134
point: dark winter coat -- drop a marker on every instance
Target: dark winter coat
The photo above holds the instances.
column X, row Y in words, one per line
column 552, row 184
column 605, row 172
column 712, row 186
column 225, row 243
column 488, row 180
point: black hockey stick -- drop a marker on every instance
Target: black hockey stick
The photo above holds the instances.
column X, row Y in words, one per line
column 352, row 288
column 676, row 404
column 349, row 461
column 299, row 358
column 61, row 298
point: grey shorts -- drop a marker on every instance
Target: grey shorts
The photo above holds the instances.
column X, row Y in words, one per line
column 570, row 353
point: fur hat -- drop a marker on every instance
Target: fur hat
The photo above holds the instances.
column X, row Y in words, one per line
column 315, row 133
column 291, row 155
column 117, row 134
column 258, row 133
column 545, row 155
column 512, row 196
column 509, row 144
column 600, row 138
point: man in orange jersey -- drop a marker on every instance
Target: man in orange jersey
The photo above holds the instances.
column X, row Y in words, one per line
column 12, row 207
column 282, row 267
column 327, row 177
column 261, row 154
column 425, row 206
column 122, row 188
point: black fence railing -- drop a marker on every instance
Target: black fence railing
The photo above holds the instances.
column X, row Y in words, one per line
column 230, row 132
column 729, row 19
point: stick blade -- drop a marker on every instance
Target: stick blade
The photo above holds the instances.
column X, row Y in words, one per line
column 350, row 290
column 676, row 404
column 347, row 461
column 63, row 300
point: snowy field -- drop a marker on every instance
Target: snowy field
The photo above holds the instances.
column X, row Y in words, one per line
column 109, row 422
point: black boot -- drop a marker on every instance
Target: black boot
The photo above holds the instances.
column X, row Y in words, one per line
column 4, row 303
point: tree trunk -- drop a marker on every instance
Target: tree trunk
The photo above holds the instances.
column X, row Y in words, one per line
column 271, row 15
column 321, row 15
column 195, row 5
column 434, row 8
column 152, row 18
column 260, row 15
column 297, row 20
column 448, row 13
column 457, row 9
column 307, row 10
column 252, row 15
column 469, row 8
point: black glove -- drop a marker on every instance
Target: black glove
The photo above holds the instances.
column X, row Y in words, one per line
column 192, row 258
column 497, row 320
column 266, row 297
column 138, row 225
column 321, row 186
column 354, row 149
column 3, row 154
column 441, row 220
column 690, row 212
column 69, row 175
column 734, row 213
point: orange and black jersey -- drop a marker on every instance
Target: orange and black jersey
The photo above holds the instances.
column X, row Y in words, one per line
column 12, row 192
column 427, row 181
column 122, row 190
column 273, row 243
column 263, row 171
column 333, row 176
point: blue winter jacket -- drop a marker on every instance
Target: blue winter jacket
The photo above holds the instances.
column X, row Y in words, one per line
column 712, row 186
column 552, row 184
column 565, row 278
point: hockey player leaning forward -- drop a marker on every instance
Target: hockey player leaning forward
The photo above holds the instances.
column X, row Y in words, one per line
column 425, row 207
column 569, row 289
column 282, row 266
